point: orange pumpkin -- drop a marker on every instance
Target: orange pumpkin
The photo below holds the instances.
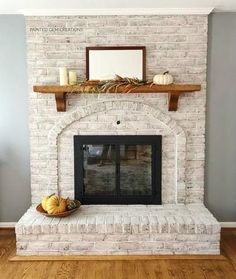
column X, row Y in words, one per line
column 56, row 204
column 44, row 202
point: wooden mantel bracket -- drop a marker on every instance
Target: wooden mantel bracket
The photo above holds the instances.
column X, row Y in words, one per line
column 173, row 90
column 173, row 100
column 61, row 101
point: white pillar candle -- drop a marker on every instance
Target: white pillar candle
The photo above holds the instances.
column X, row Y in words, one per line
column 63, row 76
column 72, row 78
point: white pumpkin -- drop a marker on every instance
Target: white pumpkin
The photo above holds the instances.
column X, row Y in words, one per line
column 163, row 79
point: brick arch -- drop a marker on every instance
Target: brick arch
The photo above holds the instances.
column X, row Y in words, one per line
column 82, row 112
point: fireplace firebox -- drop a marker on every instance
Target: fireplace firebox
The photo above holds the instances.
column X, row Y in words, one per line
column 118, row 169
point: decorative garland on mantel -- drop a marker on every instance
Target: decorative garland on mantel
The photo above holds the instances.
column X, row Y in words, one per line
column 105, row 86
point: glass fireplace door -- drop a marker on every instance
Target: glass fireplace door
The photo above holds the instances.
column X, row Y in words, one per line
column 99, row 169
column 118, row 169
column 135, row 169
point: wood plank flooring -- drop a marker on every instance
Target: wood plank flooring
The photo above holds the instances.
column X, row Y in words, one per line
column 163, row 268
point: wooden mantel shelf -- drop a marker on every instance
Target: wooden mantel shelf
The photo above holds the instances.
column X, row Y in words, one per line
column 174, row 91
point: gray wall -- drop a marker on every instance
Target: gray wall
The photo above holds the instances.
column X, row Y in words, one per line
column 14, row 137
column 221, row 115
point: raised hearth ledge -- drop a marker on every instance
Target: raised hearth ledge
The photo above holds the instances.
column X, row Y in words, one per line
column 121, row 230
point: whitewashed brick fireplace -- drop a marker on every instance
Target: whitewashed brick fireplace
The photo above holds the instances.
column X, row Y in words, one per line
column 182, row 224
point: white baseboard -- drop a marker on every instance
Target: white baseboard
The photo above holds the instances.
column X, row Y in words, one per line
column 228, row 224
column 7, row 224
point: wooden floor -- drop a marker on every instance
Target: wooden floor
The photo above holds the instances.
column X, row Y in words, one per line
column 224, row 267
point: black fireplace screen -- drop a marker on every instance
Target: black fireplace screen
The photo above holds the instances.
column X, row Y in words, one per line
column 117, row 169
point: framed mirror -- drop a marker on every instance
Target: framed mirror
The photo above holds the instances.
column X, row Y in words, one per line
column 103, row 63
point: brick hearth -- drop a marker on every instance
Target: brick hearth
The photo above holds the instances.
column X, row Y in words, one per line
column 121, row 230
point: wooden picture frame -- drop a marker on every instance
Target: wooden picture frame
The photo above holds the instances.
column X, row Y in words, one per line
column 139, row 53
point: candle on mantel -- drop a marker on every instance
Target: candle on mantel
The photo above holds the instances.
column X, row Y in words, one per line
column 72, row 77
column 63, row 76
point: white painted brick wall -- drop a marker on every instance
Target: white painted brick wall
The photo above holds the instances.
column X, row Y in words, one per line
column 175, row 43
